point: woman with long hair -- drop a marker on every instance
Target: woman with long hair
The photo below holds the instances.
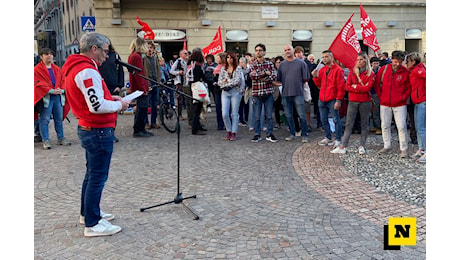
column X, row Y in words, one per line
column 418, row 95
column 359, row 84
column 138, row 47
column 229, row 82
column 198, row 75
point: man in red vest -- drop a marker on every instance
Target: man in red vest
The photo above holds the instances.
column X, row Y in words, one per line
column 96, row 111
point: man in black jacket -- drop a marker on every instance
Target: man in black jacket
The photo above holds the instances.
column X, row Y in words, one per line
column 112, row 74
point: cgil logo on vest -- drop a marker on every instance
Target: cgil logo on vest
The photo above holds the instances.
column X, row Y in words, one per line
column 93, row 99
column 92, row 94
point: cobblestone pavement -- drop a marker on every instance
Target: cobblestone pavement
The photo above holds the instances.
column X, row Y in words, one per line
column 285, row 200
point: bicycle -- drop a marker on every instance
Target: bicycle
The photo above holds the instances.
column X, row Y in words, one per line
column 168, row 114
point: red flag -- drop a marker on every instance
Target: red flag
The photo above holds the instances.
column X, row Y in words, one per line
column 215, row 46
column 185, row 44
column 369, row 30
column 345, row 46
column 149, row 34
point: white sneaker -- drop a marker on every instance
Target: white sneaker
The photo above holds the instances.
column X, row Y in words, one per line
column 103, row 228
column 422, row 159
column 361, row 150
column 418, row 154
column 339, row 150
column 325, row 142
column 106, row 216
column 336, row 144
column 290, row 138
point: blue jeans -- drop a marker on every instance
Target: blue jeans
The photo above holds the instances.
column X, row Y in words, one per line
column 54, row 108
column 267, row 103
column 299, row 103
column 324, row 109
column 420, row 125
column 231, row 98
column 98, row 145
column 154, row 97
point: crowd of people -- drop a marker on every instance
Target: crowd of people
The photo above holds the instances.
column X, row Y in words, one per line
column 377, row 93
column 264, row 94
column 251, row 91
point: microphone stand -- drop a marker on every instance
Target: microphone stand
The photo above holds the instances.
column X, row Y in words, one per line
column 178, row 199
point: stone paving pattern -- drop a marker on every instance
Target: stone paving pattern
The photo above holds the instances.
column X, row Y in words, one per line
column 285, row 200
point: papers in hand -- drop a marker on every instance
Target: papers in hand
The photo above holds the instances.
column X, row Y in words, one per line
column 133, row 95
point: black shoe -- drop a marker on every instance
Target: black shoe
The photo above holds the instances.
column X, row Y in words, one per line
column 141, row 134
column 256, row 139
column 271, row 138
column 199, row 133
column 37, row 139
column 147, row 132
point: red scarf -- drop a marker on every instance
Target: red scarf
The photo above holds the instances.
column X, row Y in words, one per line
column 43, row 84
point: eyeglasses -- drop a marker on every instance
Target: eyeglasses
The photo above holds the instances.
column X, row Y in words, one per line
column 259, row 50
column 105, row 51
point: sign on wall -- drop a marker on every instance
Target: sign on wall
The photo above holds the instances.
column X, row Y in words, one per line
column 269, row 12
column 88, row 23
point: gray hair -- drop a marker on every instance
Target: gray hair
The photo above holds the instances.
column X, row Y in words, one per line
column 414, row 56
column 92, row 38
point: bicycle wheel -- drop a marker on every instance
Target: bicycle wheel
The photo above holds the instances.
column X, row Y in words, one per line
column 168, row 117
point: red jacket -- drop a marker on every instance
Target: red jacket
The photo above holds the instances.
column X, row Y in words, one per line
column 331, row 82
column 395, row 89
column 362, row 93
column 88, row 94
column 418, row 83
column 137, row 82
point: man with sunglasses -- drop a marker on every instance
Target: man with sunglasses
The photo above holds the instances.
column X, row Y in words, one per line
column 96, row 111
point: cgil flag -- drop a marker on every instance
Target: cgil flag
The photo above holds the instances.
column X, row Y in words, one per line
column 369, row 30
column 215, row 46
column 345, row 46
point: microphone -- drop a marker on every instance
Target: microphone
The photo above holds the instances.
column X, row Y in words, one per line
column 127, row 65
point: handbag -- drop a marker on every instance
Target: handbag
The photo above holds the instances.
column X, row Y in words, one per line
column 306, row 92
column 199, row 91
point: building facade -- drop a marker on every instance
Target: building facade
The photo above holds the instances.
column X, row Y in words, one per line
column 58, row 25
column 313, row 24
